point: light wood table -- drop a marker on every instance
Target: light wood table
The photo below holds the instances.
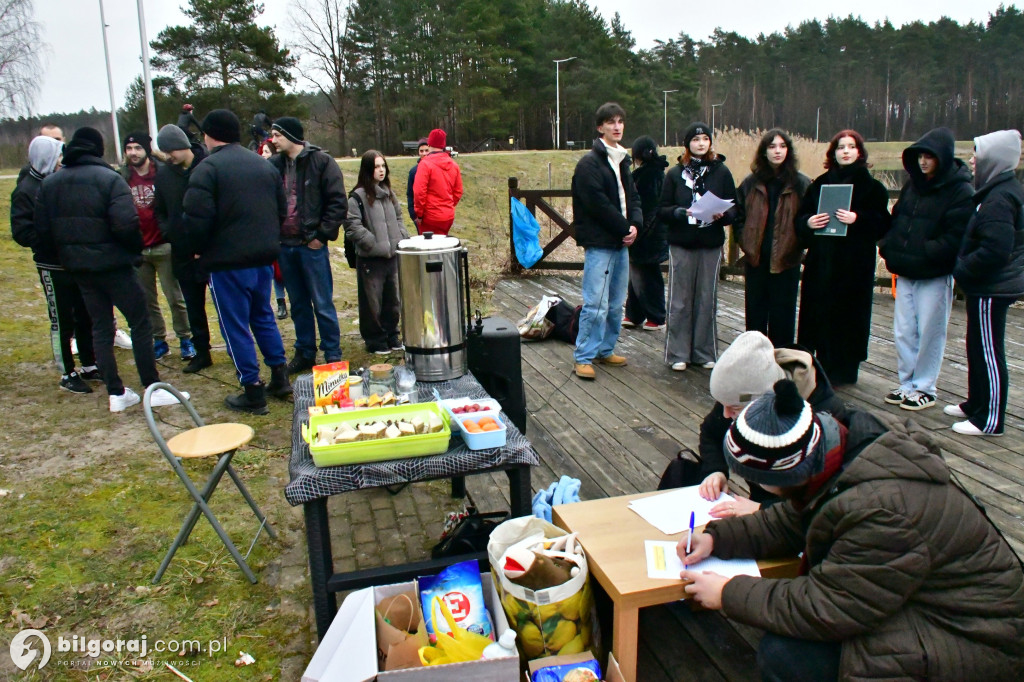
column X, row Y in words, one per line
column 613, row 538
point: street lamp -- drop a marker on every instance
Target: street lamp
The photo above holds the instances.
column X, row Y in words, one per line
column 110, row 85
column 665, row 131
column 558, row 103
column 713, row 115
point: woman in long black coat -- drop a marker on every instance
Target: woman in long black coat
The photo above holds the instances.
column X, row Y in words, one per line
column 839, row 272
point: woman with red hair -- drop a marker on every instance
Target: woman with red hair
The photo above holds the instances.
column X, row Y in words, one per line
column 839, row 271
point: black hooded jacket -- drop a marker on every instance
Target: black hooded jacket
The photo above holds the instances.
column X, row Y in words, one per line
column 930, row 216
column 170, row 185
column 86, row 213
column 651, row 245
column 319, row 193
column 596, row 213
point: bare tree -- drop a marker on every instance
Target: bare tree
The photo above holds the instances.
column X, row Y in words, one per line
column 21, row 47
column 321, row 29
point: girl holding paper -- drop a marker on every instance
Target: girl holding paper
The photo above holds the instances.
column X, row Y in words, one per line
column 767, row 203
column 695, row 249
column 839, row 271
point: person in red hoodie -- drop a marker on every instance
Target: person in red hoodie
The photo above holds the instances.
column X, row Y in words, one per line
column 438, row 187
column 139, row 172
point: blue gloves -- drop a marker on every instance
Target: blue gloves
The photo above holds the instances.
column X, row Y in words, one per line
column 564, row 491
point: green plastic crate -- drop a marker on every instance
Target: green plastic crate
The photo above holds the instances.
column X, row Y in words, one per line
column 362, row 452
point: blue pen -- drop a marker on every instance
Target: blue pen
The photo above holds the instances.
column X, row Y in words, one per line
column 689, row 538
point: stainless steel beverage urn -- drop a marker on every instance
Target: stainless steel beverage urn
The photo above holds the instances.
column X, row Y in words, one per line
column 433, row 276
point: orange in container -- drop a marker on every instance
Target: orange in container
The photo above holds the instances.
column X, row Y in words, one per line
column 330, row 383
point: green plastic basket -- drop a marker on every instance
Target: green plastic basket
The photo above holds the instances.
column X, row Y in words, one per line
column 362, row 452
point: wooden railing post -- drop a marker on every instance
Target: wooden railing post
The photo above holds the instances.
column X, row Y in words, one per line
column 514, row 267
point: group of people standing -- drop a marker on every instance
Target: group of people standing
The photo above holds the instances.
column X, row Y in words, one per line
column 940, row 229
column 215, row 215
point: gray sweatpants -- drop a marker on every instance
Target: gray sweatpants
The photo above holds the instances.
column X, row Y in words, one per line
column 692, row 305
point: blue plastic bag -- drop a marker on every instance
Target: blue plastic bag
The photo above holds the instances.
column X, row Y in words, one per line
column 525, row 234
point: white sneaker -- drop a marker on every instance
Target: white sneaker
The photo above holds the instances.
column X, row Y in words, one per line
column 954, row 411
column 122, row 340
column 710, row 364
column 966, row 428
column 161, row 398
column 679, row 366
column 120, row 403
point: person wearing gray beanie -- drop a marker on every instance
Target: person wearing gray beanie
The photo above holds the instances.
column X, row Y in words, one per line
column 901, row 575
column 172, row 138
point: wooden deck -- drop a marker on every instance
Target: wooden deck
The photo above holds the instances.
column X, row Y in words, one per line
column 617, row 434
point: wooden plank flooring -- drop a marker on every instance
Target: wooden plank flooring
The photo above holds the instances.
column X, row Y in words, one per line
column 617, row 434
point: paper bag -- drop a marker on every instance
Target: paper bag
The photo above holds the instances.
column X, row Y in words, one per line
column 397, row 649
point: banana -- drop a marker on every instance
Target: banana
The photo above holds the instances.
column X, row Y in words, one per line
column 574, row 646
column 564, row 632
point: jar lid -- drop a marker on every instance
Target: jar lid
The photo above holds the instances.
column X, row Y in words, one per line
column 381, row 371
column 428, row 242
column 354, row 379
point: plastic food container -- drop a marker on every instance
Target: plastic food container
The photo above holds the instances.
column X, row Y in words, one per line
column 484, row 440
column 361, row 452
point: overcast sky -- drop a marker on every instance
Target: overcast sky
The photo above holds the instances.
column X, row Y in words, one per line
column 75, row 76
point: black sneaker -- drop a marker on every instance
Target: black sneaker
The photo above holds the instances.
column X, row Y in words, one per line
column 74, row 383
column 896, row 396
column 917, row 401
column 396, row 343
column 91, row 374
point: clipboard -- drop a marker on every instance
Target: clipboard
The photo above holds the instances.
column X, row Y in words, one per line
column 831, row 199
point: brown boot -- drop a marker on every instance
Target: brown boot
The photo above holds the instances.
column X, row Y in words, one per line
column 585, row 371
column 613, row 360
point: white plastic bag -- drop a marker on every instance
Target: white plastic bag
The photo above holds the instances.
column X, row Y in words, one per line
column 536, row 325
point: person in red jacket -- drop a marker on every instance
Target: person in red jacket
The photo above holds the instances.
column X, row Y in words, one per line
column 438, row 187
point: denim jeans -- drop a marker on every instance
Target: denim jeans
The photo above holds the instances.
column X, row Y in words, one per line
column 242, row 300
column 307, row 277
column 787, row 659
column 605, row 278
column 920, row 319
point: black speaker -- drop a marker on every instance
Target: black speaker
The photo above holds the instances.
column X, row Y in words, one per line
column 495, row 359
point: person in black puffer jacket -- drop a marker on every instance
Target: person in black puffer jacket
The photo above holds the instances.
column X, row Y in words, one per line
column 990, row 270
column 233, row 210
column 645, row 300
column 86, row 211
column 68, row 316
column 928, row 223
column 695, row 250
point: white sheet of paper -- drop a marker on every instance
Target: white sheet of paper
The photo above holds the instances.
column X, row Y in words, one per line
column 705, row 208
column 664, row 564
column 670, row 512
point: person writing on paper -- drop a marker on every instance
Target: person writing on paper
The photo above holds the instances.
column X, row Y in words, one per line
column 748, row 369
column 767, row 203
column 901, row 577
column 695, row 249
column 839, row 272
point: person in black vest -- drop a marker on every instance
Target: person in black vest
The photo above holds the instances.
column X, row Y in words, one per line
column 928, row 223
column 233, row 210
column 645, row 299
column 990, row 271
column 68, row 315
column 839, row 272
column 170, row 184
column 87, row 214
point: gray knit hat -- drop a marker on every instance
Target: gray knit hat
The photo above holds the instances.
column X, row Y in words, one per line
column 747, row 369
column 778, row 440
column 172, row 138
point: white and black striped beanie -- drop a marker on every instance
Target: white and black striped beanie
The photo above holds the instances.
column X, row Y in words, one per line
column 777, row 440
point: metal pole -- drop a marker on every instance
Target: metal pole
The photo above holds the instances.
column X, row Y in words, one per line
column 558, row 103
column 817, row 123
column 664, row 132
column 147, row 81
column 110, row 85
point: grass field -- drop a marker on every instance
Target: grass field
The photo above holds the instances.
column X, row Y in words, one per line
column 88, row 506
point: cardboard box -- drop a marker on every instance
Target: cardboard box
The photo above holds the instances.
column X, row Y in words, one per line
column 611, row 671
column 348, row 652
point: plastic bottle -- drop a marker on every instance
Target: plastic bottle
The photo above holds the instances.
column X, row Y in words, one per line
column 505, row 646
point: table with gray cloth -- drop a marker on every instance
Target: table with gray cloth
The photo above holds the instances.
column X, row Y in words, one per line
column 310, row 486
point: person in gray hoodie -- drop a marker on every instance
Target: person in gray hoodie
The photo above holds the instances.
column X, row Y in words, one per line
column 928, row 223
column 990, row 271
column 374, row 225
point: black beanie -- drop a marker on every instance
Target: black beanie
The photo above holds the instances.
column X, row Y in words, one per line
column 141, row 139
column 87, row 140
column 290, row 127
column 696, row 129
column 223, row 126
column 645, row 149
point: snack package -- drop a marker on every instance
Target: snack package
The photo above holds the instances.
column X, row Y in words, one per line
column 587, row 671
column 330, row 383
column 460, row 588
